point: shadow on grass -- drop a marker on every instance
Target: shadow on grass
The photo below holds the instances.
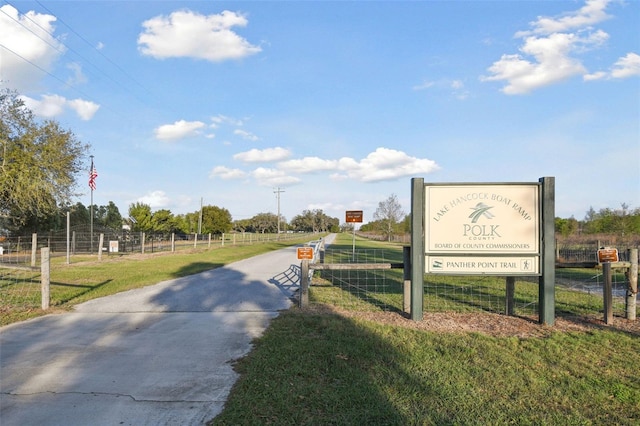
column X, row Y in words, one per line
column 320, row 374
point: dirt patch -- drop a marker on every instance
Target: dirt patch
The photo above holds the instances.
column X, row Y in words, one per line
column 485, row 323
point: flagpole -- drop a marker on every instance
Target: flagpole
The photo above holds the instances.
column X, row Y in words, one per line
column 91, row 206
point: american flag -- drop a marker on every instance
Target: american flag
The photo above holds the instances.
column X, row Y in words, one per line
column 93, row 174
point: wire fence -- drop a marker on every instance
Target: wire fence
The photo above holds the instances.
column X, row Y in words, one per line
column 20, row 260
column 578, row 291
column 22, row 249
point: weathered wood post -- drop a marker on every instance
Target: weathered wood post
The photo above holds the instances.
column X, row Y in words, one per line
column 142, row 242
column 45, row 279
column 607, row 292
column 173, row 242
column 304, row 283
column 632, row 289
column 509, row 299
column 100, row 245
column 406, row 275
column 34, row 249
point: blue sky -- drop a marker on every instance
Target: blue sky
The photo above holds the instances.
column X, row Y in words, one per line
column 336, row 104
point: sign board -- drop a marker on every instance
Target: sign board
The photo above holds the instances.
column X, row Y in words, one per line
column 113, row 246
column 305, row 253
column 607, row 254
column 482, row 229
column 354, row 216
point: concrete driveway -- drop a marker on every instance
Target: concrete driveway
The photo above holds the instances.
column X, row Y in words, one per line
column 161, row 355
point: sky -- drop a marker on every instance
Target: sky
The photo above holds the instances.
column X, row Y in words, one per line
column 256, row 106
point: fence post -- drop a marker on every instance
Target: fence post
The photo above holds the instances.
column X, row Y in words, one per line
column 406, row 275
column 45, row 277
column 173, row 242
column 511, row 290
column 607, row 292
column 304, row 283
column 142, row 235
column 632, row 290
column 34, row 249
column 100, row 245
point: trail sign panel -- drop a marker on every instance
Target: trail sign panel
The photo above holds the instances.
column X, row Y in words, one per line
column 482, row 229
column 607, row 254
column 305, row 253
column 354, row 216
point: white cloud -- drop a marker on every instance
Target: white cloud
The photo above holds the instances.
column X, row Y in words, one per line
column 155, row 199
column 385, row 164
column 178, row 130
column 84, row 109
column 627, row 66
column 27, row 41
column 382, row 164
column 223, row 119
column 188, row 34
column 308, row 165
column 591, row 13
column 54, row 105
column 263, row 155
column 245, row 135
column 78, row 76
column 549, row 53
column 226, row 173
column 273, row 177
column 424, row 85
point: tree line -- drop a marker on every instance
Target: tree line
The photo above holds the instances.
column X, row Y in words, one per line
column 141, row 218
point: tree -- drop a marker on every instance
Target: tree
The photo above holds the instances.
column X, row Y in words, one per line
column 38, row 163
column 315, row 221
column 163, row 221
column 141, row 215
column 215, row 220
column 389, row 213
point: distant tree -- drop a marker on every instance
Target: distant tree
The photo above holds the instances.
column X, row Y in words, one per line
column 566, row 227
column 141, row 215
column 216, row 220
column 389, row 213
column 112, row 217
column 38, row 164
column 265, row 222
column 163, row 221
column 315, row 221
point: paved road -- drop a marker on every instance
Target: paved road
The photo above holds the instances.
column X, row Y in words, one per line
column 154, row 356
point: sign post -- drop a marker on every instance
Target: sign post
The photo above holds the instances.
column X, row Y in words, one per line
column 354, row 216
column 607, row 255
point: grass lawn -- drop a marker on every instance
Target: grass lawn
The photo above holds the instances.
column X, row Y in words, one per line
column 326, row 369
column 317, row 367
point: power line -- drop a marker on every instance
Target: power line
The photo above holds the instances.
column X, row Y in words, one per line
column 83, row 58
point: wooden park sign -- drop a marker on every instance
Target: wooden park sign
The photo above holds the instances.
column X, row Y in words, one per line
column 501, row 229
column 607, row 254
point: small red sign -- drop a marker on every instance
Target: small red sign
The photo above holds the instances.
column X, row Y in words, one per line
column 305, row 253
column 607, row 254
column 354, row 216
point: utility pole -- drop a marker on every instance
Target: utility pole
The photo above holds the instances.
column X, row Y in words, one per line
column 200, row 218
column 277, row 192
